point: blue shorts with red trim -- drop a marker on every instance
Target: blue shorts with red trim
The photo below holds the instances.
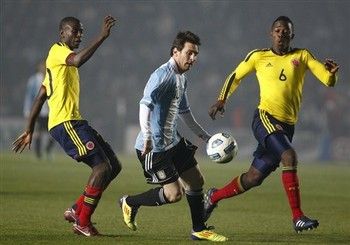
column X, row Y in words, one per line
column 81, row 142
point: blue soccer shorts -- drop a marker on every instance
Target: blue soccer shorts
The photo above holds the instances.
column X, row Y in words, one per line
column 274, row 137
column 81, row 142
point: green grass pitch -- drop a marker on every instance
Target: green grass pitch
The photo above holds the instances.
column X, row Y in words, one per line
column 34, row 195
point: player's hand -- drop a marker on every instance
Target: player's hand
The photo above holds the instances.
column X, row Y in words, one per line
column 108, row 22
column 147, row 147
column 22, row 142
column 331, row 66
column 219, row 106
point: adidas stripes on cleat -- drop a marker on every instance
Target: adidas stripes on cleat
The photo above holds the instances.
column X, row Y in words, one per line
column 208, row 235
column 208, row 205
column 129, row 214
column 304, row 223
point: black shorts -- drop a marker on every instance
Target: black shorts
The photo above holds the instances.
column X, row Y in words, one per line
column 166, row 167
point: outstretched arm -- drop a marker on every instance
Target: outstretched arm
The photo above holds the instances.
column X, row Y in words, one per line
column 196, row 128
column 326, row 72
column 78, row 59
column 25, row 139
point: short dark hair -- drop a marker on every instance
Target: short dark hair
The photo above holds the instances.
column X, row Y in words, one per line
column 285, row 19
column 183, row 37
column 68, row 20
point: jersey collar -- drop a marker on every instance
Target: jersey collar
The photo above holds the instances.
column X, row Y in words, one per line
column 174, row 65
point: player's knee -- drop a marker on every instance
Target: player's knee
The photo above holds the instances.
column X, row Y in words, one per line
column 174, row 196
column 103, row 170
column 198, row 183
column 289, row 158
column 116, row 167
column 252, row 179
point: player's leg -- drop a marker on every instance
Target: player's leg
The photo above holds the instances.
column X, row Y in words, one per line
column 78, row 139
column 261, row 167
column 263, row 164
column 192, row 181
column 105, row 167
column 73, row 212
column 114, row 162
column 280, row 144
column 158, row 169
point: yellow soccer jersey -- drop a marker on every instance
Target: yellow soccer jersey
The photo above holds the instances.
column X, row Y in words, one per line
column 281, row 79
column 62, row 86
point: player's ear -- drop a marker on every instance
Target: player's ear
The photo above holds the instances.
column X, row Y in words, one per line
column 61, row 33
column 292, row 36
column 175, row 51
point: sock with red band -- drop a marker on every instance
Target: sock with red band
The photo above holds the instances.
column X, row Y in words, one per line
column 91, row 198
column 291, row 186
column 231, row 189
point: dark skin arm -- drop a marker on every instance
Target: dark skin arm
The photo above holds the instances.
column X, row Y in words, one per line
column 78, row 59
column 25, row 139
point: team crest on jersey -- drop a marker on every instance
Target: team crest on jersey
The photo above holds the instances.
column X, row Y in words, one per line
column 279, row 127
column 161, row 174
column 295, row 63
column 90, row 145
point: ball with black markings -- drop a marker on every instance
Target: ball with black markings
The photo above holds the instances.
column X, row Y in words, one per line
column 222, row 148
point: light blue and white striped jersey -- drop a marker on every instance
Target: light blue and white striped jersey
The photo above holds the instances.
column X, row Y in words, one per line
column 165, row 94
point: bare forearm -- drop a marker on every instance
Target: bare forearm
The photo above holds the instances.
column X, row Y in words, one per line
column 86, row 53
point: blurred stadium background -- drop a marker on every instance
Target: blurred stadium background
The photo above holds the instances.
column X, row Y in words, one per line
column 112, row 81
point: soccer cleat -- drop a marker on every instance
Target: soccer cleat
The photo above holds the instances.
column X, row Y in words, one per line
column 304, row 223
column 88, row 230
column 208, row 205
column 129, row 214
column 70, row 216
column 208, row 235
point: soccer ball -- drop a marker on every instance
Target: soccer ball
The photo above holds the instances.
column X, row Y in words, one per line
column 222, row 148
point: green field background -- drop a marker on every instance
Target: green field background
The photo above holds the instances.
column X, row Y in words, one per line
column 34, row 195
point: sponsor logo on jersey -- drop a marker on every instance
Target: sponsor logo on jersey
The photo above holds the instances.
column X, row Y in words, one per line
column 269, row 65
column 90, row 145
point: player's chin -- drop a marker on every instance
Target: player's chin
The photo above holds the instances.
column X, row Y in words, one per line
column 187, row 67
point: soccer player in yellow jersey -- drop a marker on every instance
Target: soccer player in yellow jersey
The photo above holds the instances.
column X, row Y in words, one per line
column 79, row 140
column 280, row 71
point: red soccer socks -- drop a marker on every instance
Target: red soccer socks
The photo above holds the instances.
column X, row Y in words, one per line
column 291, row 186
